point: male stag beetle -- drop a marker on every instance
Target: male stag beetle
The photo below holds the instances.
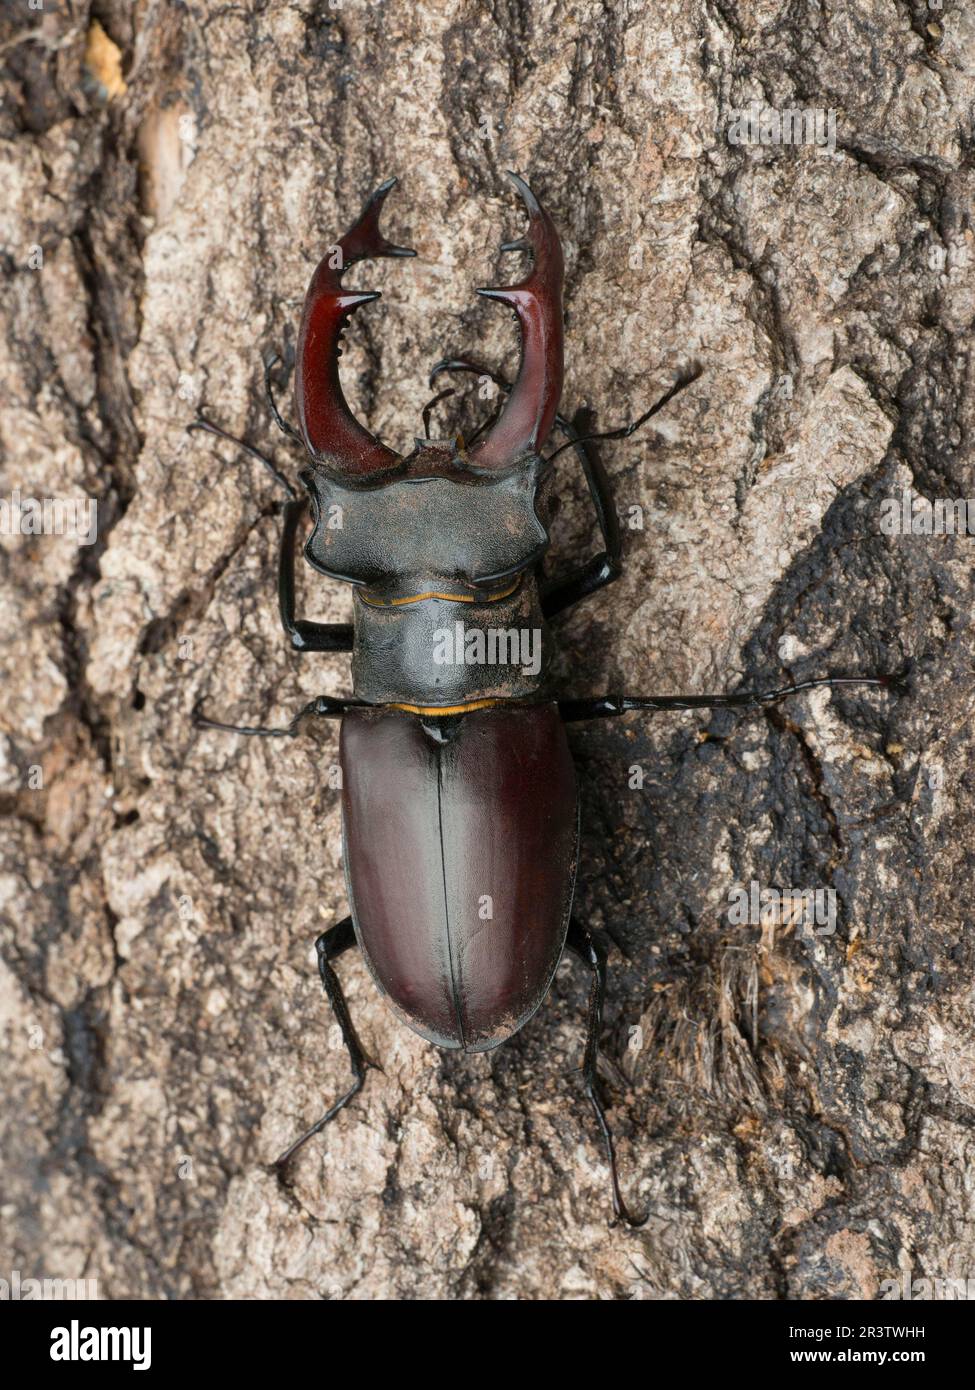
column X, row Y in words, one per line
column 457, row 783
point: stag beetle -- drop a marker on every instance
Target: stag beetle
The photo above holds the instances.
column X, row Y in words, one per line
column 458, row 787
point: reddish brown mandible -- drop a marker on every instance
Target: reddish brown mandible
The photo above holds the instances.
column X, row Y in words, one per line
column 335, row 439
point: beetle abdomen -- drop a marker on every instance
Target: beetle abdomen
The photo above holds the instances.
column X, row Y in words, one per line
column 460, row 854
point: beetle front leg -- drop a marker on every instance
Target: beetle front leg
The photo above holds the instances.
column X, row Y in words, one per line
column 592, row 952
column 303, row 636
column 329, row 946
column 202, row 423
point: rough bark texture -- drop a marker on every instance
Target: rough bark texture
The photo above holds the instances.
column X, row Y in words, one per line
column 796, row 1111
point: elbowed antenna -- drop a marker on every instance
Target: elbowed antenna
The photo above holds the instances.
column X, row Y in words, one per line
column 331, row 433
column 529, row 411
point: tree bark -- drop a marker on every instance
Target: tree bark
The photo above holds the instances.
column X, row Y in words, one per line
column 794, row 1107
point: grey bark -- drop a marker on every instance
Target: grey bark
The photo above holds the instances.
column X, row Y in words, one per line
column 796, row 1110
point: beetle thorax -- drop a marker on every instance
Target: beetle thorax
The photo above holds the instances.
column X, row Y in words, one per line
column 443, row 561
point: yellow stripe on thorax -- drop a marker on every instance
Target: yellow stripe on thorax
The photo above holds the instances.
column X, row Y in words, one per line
column 446, row 709
column 447, row 598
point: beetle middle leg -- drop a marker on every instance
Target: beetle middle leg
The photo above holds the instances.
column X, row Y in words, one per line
column 609, row 706
column 329, row 946
column 324, row 706
column 592, row 952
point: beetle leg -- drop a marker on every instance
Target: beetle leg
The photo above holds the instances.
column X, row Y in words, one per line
column 326, row 706
column 303, row 636
column 201, row 423
column 330, row 945
column 608, row 706
column 592, row 952
column 601, row 569
column 624, row 431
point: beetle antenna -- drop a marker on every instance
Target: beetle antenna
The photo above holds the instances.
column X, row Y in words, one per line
column 201, row 423
column 464, row 364
column 624, row 431
column 282, row 424
column 428, row 408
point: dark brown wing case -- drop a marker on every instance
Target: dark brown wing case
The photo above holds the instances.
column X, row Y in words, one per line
column 460, row 857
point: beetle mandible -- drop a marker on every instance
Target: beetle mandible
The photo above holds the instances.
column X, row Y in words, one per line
column 458, row 788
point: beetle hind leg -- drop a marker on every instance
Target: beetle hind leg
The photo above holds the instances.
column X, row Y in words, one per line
column 329, row 945
column 592, row 952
